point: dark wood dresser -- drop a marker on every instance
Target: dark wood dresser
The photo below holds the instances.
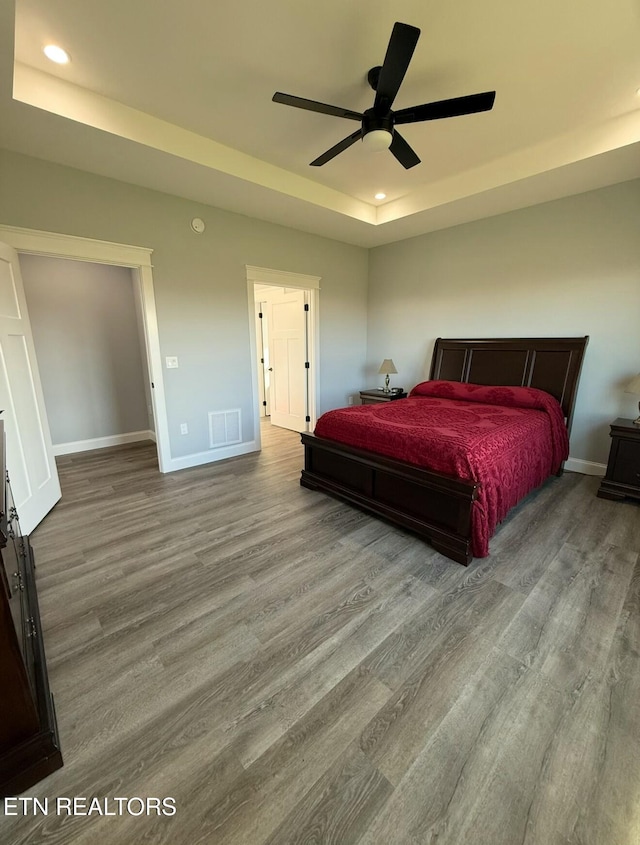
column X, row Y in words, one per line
column 623, row 470
column 29, row 747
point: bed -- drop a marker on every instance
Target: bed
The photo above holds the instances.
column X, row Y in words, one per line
column 434, row 488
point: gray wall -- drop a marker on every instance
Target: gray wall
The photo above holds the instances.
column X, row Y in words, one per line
column 569, row 267
column 200, row 284
column 85, row 333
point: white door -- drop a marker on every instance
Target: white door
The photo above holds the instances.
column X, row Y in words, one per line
column 30, row 461
column 287, row 345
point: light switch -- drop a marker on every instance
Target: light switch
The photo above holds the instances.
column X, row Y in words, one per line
column 172, row 363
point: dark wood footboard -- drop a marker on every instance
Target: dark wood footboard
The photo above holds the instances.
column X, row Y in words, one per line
column 435, row 506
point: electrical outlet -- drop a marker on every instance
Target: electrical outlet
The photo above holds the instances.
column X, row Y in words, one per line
column 172, row 362
column 184, row 428
column 351, row 400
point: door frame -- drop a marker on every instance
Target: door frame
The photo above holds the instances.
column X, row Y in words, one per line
column 285, row 279
column 263, row 402
column 138, row 259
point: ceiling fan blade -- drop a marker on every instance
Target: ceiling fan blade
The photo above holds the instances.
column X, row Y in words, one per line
column 403, row 152
column 313, row 105
column 455, row 107
column 399, row 52
column 339, row 148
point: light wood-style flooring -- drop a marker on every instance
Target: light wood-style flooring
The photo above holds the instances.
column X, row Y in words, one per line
column 291, row 670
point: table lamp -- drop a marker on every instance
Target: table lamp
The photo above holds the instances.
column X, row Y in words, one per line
column 387, row 367
column 634, row 387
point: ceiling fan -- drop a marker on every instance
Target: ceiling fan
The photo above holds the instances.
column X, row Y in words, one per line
column 377, row 129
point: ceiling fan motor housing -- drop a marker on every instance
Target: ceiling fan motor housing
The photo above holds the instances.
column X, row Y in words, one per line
column 371, row 121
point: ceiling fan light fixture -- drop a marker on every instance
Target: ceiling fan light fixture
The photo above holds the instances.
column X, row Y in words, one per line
column 377, row 140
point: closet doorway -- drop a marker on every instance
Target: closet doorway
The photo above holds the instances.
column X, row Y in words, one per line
column 135, row 261
column 283, row 318
column 86, row 320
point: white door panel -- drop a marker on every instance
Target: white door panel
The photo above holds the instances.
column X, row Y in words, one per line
column 30, row 461
column 287, row 328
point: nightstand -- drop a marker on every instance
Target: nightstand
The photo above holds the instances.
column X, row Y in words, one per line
column 623, row 470
column 372, row 397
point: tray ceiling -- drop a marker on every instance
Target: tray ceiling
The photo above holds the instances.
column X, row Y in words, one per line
column 181, row 102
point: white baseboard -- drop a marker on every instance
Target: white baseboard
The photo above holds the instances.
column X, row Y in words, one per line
column 585, row 467
column 211, row 456
column 102, row 442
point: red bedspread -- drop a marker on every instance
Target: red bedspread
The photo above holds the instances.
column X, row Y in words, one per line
column 510, row 439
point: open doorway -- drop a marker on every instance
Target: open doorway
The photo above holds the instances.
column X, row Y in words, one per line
column 86, row 321
column 282, row 351
column 137, row 262
column 283, row 319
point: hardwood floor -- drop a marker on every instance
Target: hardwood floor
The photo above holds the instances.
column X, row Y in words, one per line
column 201, row 647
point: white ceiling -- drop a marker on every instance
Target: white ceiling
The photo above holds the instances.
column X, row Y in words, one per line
column 181, row 101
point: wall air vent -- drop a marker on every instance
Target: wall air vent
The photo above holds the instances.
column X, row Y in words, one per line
column 225, row 428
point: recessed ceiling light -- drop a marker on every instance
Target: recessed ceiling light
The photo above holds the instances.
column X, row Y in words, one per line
column 56, row 54
column 381, row 196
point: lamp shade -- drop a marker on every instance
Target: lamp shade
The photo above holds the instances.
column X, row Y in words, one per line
column 634, row 385
column 387, row 367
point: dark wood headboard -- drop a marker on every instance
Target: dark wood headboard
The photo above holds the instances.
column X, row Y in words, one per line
column 548, row 363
